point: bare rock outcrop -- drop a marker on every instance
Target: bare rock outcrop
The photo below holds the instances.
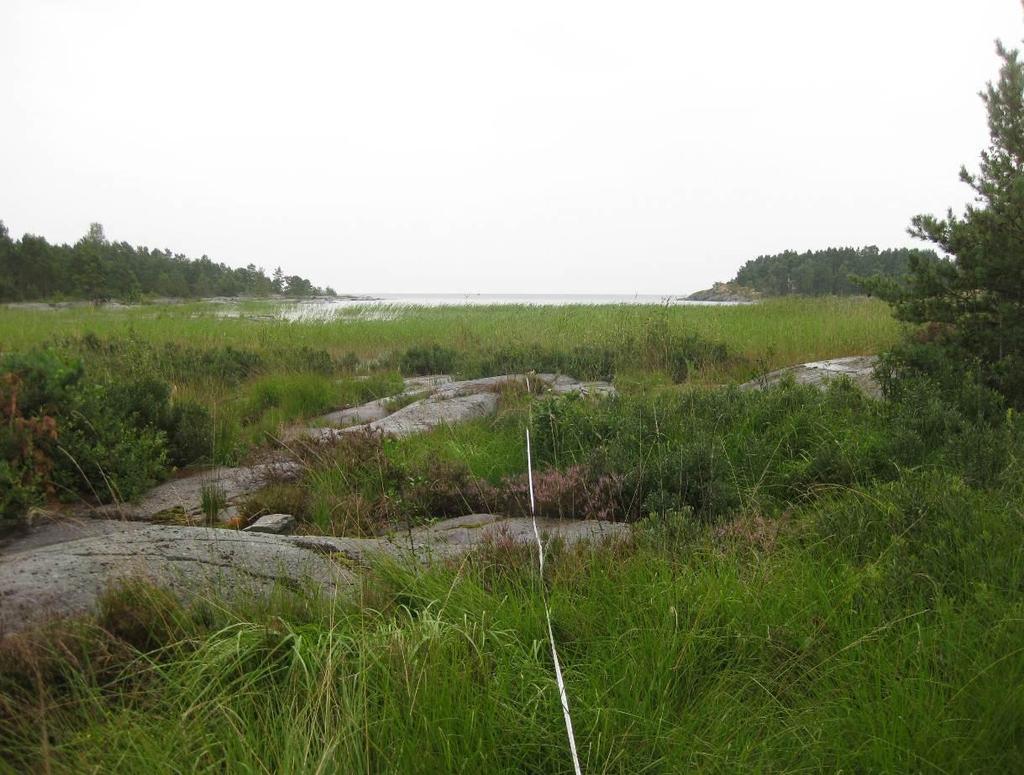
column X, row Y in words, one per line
column 183, row 497
column 67, row 578
column 277, row 524
column 58, row 573
column 859, row 368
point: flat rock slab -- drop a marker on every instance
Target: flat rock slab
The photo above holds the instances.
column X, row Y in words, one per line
column 184, row 495
column 371, row 411
column 420, row 417
column 429, row 413
column 40, row 579
column 482, row 385
column 47, row 532
column 277, row 524
column 458, row 535
column 859, row 368
column 68, row 578
column 428, row 382
column 560, row 384
column 440, row 387
column 358, row 415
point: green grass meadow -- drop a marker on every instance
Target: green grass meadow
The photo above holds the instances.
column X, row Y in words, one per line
column 774, row 333
column 815, row 581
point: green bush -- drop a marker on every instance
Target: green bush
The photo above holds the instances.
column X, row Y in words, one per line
column 723, row 450
column 676, row 353
column 72, row 435
column 929, row 533
column 291, row 395
column 24, row 463
column 107, row 451
column 432, row 359
column 190, row 433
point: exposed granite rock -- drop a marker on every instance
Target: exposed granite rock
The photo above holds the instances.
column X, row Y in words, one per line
column 482, row 385
column 859, row 368
column 437, row 410
column 418, row 387
column 358, row 415
column 459, row 534
column 426, row 383
column 727, row 292
column 50, row 575
column 182, row 497
column 419, row 417
column 277, row 524
column 560, row 384
column 67, row 578
column 58, row 529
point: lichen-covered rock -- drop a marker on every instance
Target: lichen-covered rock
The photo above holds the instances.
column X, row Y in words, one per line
column 437, row 410
column 67, row 578
column 858, row 368
column 60, row 572
column 185, row 495
column 420, row 416
column 278, row 524
column 357, row 415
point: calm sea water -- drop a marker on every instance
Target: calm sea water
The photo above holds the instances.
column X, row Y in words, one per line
column 557, row 299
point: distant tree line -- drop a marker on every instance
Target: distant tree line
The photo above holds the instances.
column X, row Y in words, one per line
column 824, row 272
column 95, row 268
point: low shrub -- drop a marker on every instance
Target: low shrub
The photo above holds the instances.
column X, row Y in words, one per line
column 575, row 493
column 678, row 353
column 352, row 485
column 71, row 435
column 428, row 359
column 582, row 361
column 104, row 453
column 142, row 615
column 719, row 451
column 224, row 365
column 305, row 359
column 444, row 488
column 929, row 532
column 190, row 433
column 25, row 462
column 369, row 387
column 279, row 498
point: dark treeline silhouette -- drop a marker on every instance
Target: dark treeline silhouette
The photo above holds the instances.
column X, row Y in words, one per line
column 95, row 269
column 823, row 272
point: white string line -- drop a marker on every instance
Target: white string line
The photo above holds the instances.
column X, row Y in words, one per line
column 547, row 615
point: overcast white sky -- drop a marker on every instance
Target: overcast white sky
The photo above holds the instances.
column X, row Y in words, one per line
column 623, row 147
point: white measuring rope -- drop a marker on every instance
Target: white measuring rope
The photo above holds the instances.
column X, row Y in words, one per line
column 547, row 614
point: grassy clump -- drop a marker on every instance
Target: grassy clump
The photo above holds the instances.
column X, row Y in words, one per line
column 710, row 453
column 432, row 359
column 212, row 501
column 717, row 452
column 680, row 653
